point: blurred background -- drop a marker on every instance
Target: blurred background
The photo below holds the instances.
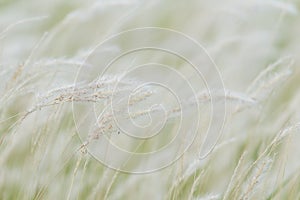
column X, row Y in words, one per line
column 56, row 52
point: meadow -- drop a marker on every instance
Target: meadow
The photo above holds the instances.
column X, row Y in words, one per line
column 128, row 99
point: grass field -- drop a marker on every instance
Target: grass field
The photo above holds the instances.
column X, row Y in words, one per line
column 170, row 99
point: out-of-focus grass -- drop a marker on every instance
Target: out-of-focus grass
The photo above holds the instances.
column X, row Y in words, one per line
column 40, row 155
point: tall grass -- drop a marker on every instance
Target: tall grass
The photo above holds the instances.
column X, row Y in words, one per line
column 60, row 105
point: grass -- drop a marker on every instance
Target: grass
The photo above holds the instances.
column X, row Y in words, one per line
column 61, row 103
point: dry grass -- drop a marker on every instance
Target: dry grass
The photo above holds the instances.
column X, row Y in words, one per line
column 56, row 97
